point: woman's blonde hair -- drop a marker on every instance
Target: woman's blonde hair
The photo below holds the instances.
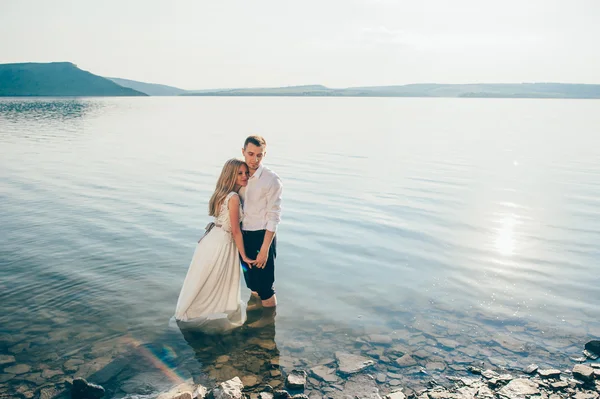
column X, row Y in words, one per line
column 225, row 185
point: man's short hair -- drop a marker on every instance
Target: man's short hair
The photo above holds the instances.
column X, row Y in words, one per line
column 258, row 141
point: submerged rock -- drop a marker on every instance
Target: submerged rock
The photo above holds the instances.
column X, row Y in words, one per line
column 6, row 359
column 17, row 369
column 351, row 364
column 357, row 386
column 82, row 389
column 532, row 368
column 406, row 361
column 324, row 373
column 296, row 380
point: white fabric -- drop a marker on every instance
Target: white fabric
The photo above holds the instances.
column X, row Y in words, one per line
column 210, row 299
column 262, row 201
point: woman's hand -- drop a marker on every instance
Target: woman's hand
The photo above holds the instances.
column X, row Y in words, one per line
column 248, row 261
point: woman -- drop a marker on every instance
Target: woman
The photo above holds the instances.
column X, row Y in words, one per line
column 210, row 299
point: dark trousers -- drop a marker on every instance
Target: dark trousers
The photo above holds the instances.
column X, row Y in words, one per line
column 259, row 280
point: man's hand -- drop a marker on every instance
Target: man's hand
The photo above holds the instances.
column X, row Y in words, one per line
column 248, row 261
column 261, row 259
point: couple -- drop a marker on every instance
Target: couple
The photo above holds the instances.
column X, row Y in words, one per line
column 246, row 206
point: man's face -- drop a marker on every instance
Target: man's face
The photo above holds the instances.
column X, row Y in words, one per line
column 253, row 155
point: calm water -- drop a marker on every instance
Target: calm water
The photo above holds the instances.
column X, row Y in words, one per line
column 465, row 221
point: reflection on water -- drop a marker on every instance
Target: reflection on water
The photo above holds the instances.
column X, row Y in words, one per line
column 440, row 229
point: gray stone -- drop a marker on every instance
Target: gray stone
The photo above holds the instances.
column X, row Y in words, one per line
column 17, row 369
column 395, row 395
column 381, row 378
column 265, row 395
column 82, row 389
column 395, row 383
column 380, row 339
column 6, row 359
column 435, row 366
column 549, row 373
column 583, row 372
column 4, row 377
column 358, row 386
column 489, row 374
column 406, row 361
column 296, row 379
column 519, row 388
column 324, row 373
column 351, row 364
column 585, row 395
column 532, row 368
column 231, row 389
column 448, row 343
column 559, row 385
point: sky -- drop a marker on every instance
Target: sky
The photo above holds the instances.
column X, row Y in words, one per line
column 197, row 44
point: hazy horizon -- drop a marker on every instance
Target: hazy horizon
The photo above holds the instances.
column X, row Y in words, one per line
column 199, row 45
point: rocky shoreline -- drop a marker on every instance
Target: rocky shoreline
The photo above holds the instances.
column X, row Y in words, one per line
column 351, row 376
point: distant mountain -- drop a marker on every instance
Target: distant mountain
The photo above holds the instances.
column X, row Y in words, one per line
column 483, row 90
column 56, row 79
column 151, row 89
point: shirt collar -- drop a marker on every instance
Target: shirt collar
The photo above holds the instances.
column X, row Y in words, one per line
column 259, row 171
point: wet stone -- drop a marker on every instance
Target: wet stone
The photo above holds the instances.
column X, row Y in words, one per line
column 324, row 373
column 17, row 369
column 52, row 392
column 82, row 389
column 532, row 368
column 448, row 343
column 583, row 372
column 4, row 377
column 590, row 355
column 6, row 359
column 351, row 364
column 275, row 373
column 223, row 359
column 231, row 389
column 395, row 383
column 559, row 385
column 250, row 380
column 593, row 347
column 406, row 361
column 595, row 365
column 395, row 395
column 435, row 366
column 549, row 373
column 519, row 389
column 296, row 380
column 265, row 395
column 380, row 339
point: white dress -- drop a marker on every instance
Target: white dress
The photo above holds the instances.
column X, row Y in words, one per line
column 210, row 299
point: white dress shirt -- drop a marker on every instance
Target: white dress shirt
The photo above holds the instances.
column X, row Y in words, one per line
column 262, row 201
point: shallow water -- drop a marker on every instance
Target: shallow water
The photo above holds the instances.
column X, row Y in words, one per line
column 467, row 230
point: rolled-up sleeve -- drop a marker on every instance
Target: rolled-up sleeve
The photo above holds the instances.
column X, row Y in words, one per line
column 274, row 204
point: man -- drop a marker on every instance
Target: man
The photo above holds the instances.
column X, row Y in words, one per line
column 262, row 214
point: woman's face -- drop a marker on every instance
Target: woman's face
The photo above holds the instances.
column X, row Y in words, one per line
column 242, row 176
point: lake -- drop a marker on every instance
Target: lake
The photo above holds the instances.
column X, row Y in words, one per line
column 458, row 231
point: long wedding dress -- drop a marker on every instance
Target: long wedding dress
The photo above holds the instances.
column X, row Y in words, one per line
column 210, row 299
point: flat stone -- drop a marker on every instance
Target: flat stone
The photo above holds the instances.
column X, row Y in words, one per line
column 17, row 369
column 519, row 388
column 435, row 366
column 324, row 373
column 250, row 380
column 406, row 361
column 6, row 359
column 296, row 379
column 223, row 359
column 47, row 374
column 395, row 395
column 532, row 368
column 448, row 343
column 380, row 339
column 263, row 343
column 549, row 373
column 583, row 372
column 4, row 377
column 585, row 395
column 590, row 355
column 358, row 386
column 265, row 395
column 595, row 365
column 351, row 364
column 381, row 378
column 275, row 373
column 559, row 385
column 231, row 389
column 395, row 383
